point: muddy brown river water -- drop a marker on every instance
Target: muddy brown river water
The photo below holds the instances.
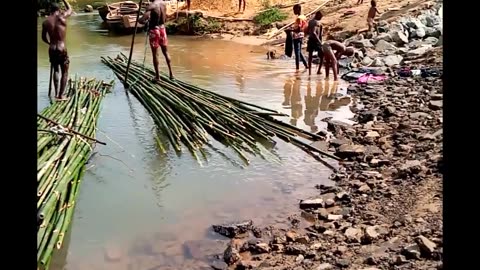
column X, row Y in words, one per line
column 139, row 209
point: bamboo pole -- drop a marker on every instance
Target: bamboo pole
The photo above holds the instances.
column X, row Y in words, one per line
column 133, row 42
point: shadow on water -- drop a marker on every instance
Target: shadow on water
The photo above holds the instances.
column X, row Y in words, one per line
column 118, row 223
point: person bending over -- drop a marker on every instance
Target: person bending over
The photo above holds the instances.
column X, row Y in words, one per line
column 332, row 51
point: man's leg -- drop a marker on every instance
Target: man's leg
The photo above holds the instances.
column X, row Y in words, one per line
column 320, row 55
column 155, row 63
column 244, row 4
column 296, row 50
column 167, row 59
column 310, row 56
column 63, row 82
column 56, row 79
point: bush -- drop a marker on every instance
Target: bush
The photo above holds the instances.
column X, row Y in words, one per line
column 270, row 16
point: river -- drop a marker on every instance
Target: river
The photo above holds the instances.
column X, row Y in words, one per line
column 139, row 209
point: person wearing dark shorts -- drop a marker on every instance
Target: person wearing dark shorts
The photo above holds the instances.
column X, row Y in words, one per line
column 54, row 32
column 314, row 42
column 156, row 15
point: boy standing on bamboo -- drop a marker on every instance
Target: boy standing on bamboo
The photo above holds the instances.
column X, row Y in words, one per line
column 54, row 32
column 156, row 15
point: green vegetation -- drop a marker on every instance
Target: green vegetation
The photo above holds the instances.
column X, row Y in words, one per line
column 194, row 25
column 270, row 16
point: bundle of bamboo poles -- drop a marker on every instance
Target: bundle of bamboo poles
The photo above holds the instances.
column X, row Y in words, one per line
column 65, row 137
column 187, row 115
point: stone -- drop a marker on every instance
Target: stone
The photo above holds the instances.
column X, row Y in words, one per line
column 367, row 116
column 399, row 260
column 378, row 62
column 303, row 239
column 219, row 265
column 392, row 60
column 316, row 246
column 233, row 229
column 299, row 258
column 419, row 115
column 88, row 8
column 364, row 189
column 411, row 167
column 201, row 249
column 262, row 248
column 347, row 150
column 418, row 52
column 372, row 233
column 335, row 125
column 338, row 142
column 427, row 247
column 412, row 251
column 353, row 235
column 383, row 37
column 414, row 23
column 435, row 96
column 420, row 32
column 278, row 247
column 343, row 263
column 384, row 46
column 291, row 236
column 334, row 217
column 399, row 38
column 373, row 150
column 312, row 204
column 396, row 27
column 231, row 255
column 329, row 203
column 366, row 61
column 432, row 20
column 433, row 32
column 324, row 266
column 363, row 43
column 323, row 214
column 295, row 249
column 342, row 195
column 435, row 104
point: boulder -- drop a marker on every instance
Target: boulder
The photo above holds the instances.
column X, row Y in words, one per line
column 419, row 52
column 233, row 229
column 433, row 32
column 392, row 60
column 362, row 43
column 399, row 38
column 420, row 32
column 383, row 36
column 384, row 46
column 88, row 8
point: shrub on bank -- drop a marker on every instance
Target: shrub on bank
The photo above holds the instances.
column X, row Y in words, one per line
column 270, row 16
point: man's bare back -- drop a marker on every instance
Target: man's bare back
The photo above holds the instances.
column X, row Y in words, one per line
column 54, row 31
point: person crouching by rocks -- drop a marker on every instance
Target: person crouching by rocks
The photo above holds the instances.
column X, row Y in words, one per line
column 332, row 51
column 314, row 42
column 298, row 34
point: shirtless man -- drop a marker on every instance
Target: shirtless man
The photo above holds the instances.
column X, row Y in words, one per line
column 314, row 42
column 156, row 16
column 55, row 27
column 372, row 12
column 331, row 57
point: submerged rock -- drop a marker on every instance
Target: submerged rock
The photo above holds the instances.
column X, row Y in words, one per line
column 233, row 229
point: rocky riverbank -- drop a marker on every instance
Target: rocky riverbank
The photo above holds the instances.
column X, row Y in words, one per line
column 386, row 210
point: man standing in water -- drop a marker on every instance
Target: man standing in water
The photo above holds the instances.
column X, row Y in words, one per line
column 55, row 27
column 156, row 15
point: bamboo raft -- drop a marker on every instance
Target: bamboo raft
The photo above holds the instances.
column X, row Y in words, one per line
column 188, row 115
column 65, row 137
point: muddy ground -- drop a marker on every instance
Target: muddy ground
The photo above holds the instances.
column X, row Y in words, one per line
column 385, row 211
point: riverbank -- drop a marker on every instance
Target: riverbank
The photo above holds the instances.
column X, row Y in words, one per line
column 385, row 211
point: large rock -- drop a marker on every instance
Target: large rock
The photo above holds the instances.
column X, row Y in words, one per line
column 384, row 46
column 383, row 36
column 433, row 32
column 396, row 26
column 353, row 235
column 431, row 41
column 414, row 23
column 295, row 249
column 436, row 104
column 419, row 52
column 427, row 247
column 231, row 255
column 433, row 20
column 88, row 8
column 233, row 229
column 312, row 203
column 362, row 43
column 420, row 32
column 399, row 38
column 393, row 60
column 367, row 61
column 345, row 151
column 377, row 63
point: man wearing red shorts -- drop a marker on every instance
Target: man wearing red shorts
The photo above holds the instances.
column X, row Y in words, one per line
column 156, row 16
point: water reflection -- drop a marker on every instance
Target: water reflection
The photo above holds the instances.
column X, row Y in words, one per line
column 324, row 99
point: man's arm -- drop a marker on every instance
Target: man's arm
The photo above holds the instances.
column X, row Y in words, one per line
column 144, row 17
column 44, row 34
column 68, row 12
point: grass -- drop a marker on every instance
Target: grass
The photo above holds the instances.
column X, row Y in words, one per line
column 270, row 16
